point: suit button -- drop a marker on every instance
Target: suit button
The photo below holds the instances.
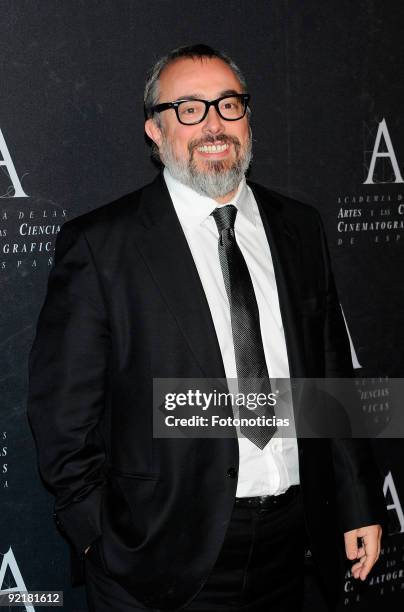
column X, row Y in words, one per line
column 232, row 472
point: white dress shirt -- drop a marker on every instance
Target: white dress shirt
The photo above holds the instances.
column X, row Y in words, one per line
column 275, row 468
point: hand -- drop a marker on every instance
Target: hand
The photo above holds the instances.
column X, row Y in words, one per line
column 367, row 553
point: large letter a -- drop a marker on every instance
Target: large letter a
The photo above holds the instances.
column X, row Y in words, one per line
column 10, row 562
column 8, row 163
column 383, row 131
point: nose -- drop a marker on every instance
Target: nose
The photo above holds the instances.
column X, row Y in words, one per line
column 213, row 123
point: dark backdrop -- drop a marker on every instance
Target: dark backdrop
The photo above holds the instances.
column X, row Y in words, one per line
column 322, row 76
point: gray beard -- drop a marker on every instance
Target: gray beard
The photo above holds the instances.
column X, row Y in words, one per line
column 217, row 181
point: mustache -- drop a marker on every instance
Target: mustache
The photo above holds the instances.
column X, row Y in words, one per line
column 209, row 140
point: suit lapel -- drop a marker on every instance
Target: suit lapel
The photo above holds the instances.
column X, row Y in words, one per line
column 163, row 245
column 284, row 245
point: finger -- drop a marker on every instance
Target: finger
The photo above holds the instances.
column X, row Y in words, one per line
column 356, row 568
column 371, row 546
column 366, row 567
column 361, row 552
column 351, row 544
column 370, row 542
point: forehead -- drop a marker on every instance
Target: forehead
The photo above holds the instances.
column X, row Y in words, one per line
column 204, row 77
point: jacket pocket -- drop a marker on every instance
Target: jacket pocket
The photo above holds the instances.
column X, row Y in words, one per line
column 136, row 475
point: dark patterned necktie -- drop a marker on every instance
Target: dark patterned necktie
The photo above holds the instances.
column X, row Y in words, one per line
column 245, row 323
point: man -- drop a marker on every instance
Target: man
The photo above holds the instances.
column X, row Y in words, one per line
column 196, row 275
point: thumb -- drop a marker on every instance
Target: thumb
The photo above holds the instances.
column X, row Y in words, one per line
column 351, row 544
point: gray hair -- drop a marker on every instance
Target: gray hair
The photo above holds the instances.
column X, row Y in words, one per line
column 151, row 90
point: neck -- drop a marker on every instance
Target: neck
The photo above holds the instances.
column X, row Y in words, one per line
column 226, row 198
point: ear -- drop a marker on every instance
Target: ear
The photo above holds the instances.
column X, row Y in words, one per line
column 153, row 131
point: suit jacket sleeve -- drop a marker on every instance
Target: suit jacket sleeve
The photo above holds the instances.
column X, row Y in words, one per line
column 67, row 368
column 358, row 482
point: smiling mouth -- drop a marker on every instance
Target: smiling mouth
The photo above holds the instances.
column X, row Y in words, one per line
column 211, row 148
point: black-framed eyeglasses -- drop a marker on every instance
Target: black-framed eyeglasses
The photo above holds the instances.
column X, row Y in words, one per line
column 192, row 110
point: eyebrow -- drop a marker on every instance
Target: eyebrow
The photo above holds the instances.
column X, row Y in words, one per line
column 200, row 96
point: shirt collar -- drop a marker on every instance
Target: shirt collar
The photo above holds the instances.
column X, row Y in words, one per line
column 193, row 208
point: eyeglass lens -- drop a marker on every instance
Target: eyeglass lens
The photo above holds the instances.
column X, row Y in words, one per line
column 192, row 111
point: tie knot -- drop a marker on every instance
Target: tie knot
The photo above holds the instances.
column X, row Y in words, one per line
column 225, row 216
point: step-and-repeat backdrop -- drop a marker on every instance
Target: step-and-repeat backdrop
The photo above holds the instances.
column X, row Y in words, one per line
column 327, row 100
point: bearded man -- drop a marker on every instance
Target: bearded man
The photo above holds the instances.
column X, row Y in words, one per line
column 198, row 275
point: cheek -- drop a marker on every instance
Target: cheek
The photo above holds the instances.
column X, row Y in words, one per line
column 182, row 145
column 244, row 136
column 181, row 141
column 242, row 133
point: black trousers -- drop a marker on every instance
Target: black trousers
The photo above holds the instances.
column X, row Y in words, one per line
column 260, row 568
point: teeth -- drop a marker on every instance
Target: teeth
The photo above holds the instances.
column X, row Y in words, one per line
column 213, row 148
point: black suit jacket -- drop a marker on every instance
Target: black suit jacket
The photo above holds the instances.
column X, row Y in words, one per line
column 125, row 304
